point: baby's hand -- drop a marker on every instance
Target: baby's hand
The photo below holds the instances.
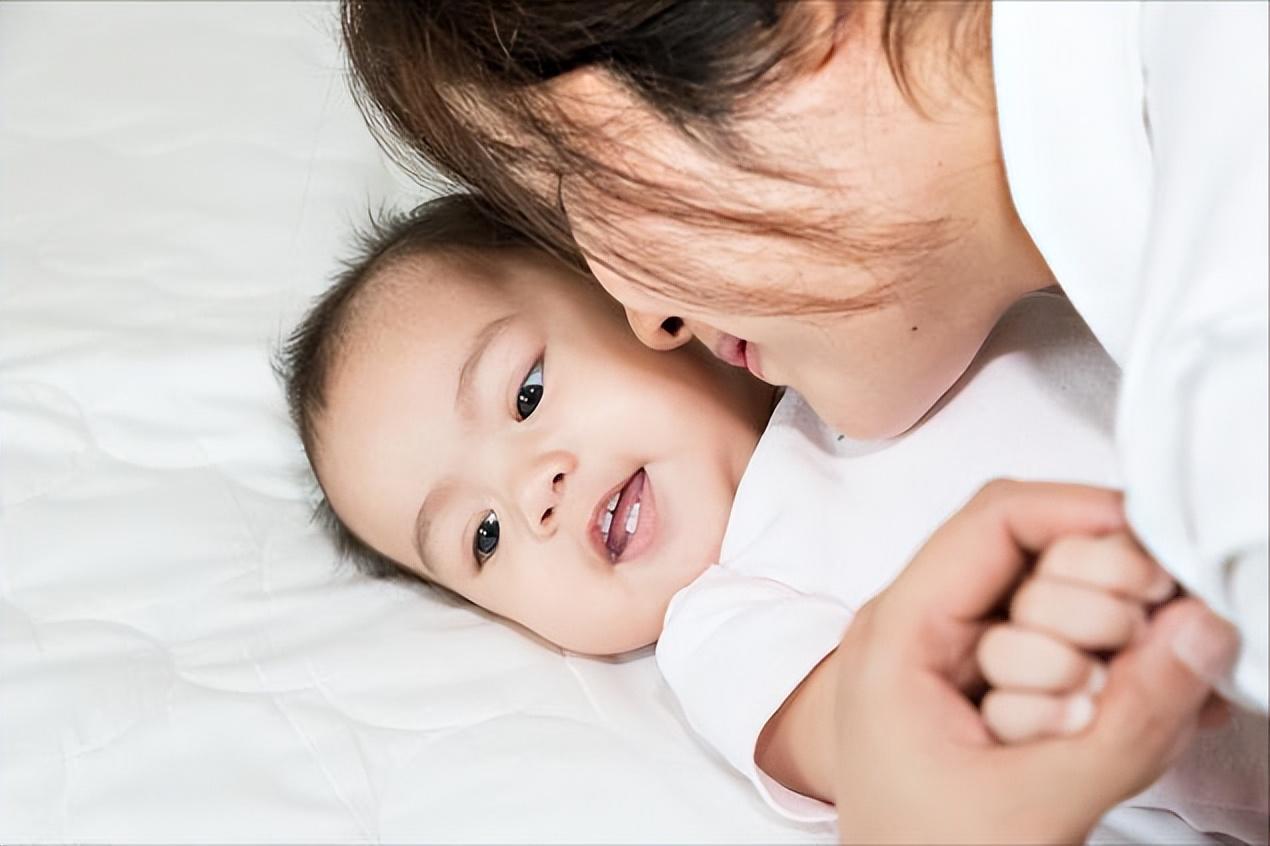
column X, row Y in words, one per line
column 1086, row 595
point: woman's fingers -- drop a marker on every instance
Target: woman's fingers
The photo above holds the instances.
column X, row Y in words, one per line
column 1088, row 618
column 1001, row 527
column 1114, row 562
column 1025, row 660
column 1019, row 716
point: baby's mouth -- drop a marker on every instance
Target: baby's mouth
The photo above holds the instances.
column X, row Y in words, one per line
column 617, row 521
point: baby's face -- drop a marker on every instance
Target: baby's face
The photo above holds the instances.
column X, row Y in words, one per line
column 487, row 416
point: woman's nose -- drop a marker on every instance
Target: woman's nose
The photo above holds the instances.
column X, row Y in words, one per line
column 542, row 490
column 659, row 331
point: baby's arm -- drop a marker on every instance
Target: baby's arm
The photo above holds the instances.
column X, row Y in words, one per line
column 1086, row 596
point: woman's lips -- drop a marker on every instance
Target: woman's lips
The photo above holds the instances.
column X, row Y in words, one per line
column 738, row 353
column 751, row 359
column 731, row 349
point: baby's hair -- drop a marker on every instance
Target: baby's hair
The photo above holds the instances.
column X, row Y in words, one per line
column 453, row 224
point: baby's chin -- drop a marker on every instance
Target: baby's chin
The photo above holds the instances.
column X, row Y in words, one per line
column 606, row 648
column 611, row 638
column 635, row 615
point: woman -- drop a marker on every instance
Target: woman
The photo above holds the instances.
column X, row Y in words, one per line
column 844, row 197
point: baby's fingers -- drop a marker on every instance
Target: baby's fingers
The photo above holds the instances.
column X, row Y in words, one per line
column 1015, row 717
column 1087, row 618
column 1026, row 660
column 1114, row 562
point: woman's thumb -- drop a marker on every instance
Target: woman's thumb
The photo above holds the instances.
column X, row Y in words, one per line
column 1150, row 707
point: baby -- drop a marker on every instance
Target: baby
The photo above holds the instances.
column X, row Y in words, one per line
column 479, row 417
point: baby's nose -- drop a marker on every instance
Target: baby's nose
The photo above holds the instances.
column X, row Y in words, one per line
column 547, row 519
column 543, row 491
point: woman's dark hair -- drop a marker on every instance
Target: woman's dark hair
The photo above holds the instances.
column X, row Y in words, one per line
column 457, row 87
column 454, row 224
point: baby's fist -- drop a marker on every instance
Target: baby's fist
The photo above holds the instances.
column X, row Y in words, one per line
column 1086, row 595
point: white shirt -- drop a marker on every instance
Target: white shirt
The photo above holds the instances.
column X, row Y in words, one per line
column 821, row 524
column 1135, row 145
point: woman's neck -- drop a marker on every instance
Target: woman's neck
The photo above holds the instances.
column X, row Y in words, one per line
column 965, row 85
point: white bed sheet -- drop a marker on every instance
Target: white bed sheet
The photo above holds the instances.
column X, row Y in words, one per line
column 180, row 658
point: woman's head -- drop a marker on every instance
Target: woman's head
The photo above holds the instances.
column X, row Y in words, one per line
column 753, row 171
column 478, row 416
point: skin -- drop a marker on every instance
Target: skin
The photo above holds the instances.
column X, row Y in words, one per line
column 391, row 437
column 843, row 124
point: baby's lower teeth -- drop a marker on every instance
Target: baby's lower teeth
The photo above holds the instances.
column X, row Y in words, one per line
column 613, row 502
column 632, row 519
column 606, row 522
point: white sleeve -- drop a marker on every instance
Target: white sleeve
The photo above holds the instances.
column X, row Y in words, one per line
column 734, row 647
column 1192, row 428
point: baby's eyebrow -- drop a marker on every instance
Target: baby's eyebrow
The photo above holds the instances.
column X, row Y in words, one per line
column 480, row 344
column 423, row 527
column 424, row 519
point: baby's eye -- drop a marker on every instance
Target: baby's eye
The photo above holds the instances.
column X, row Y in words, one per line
column 486, row 540
column 530, row 393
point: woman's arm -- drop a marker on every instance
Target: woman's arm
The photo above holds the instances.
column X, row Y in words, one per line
column 1193, row 422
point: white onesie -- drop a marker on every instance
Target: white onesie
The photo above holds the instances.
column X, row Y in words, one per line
column 821, row 524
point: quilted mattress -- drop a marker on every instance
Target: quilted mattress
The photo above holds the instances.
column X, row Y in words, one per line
column 182, row 657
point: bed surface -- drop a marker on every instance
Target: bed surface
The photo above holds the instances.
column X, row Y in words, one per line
column 181, row 657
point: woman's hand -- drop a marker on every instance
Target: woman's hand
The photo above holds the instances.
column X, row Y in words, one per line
column 914, row 761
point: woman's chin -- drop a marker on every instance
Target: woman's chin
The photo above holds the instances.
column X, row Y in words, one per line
column 883, row 425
